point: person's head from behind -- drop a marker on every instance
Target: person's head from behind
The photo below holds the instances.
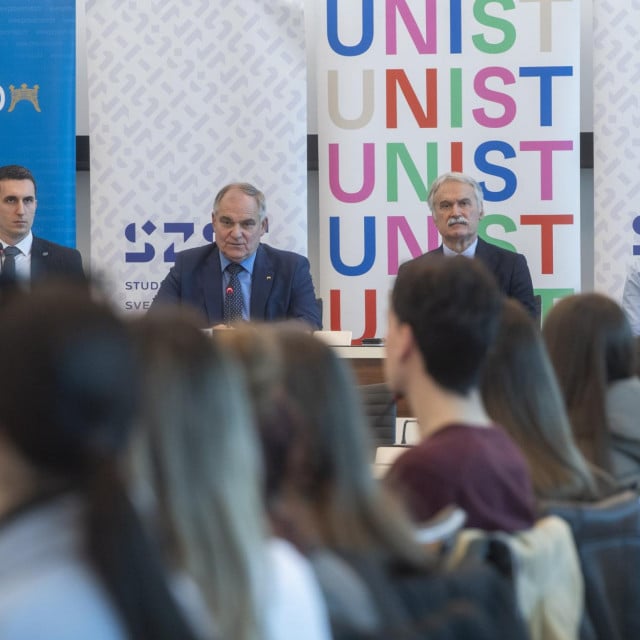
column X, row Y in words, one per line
column 68, row 401
column 17, row 202
column 456, row 204
column 520, row 393
column 196, row 449
column 253, row 346
column 443, row 316
column 69, row 393
column 590, row 344
column 239, row 220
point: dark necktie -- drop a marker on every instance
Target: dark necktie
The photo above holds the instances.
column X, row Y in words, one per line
column 9, row 263
column 233, row 295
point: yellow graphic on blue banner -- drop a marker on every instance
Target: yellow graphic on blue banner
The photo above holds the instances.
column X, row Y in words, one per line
column 24, row 93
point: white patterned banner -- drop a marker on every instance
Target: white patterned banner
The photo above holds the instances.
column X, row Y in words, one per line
column 408, row 90
column 184, row 98
column 616, row 133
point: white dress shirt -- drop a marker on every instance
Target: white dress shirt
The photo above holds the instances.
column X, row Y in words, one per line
column 23, row 259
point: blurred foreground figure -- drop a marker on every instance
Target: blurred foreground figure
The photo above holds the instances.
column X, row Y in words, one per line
column 592, row 350
column 379, row 583
column 521, row 394
column 74, row 562
column 198, row 455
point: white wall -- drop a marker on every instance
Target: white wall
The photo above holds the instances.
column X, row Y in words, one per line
column 586, row 124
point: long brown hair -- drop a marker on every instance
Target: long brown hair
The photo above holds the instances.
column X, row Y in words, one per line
column 352, row 510
column 590, row 344
column 521, row 393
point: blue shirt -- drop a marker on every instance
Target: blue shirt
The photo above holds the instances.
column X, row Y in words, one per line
column 245, row 281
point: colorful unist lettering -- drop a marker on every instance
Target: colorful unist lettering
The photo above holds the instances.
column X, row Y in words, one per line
column 408, row 90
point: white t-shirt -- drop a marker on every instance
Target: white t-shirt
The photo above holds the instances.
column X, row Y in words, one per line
column 295, row 606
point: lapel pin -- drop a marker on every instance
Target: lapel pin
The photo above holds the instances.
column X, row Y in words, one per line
column 268, row 277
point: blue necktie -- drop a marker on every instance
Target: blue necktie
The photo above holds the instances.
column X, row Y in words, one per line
column 233, row 302
column 9, row 262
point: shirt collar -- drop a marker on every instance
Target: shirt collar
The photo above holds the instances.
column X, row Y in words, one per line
column 24, row 245
column 247, row 263
column 469, row 252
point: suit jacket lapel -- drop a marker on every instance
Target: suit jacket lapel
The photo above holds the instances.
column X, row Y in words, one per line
column 39, row 256
column 261, row 283
column 485, row 253
column 211, row 284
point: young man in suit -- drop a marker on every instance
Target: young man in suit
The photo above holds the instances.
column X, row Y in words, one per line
column 24, row 256
column 238, row 277
column 456, row 203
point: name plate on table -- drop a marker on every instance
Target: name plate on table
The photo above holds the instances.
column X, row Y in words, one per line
column 335, row 338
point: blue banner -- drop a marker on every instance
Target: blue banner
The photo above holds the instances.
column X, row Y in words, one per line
column 37, row 106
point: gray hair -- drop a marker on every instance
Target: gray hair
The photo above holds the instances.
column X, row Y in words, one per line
column 249, row 190
column 454, row 176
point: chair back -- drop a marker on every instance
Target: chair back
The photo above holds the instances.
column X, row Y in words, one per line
column 607, row 536
column 380, row 408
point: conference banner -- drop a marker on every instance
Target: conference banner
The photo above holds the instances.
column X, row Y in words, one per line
column 37, row 106
column 408, row 90
column 185, row 98
column 616, row 127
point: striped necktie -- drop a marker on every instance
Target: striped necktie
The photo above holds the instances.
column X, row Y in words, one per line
column 9, row 262
column 233, row 302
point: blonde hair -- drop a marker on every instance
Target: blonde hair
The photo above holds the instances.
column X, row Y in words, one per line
column 197, row 448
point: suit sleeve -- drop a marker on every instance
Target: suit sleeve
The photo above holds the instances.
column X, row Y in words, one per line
column 76, row 263
column 170, row 291
column 521, row 286
column 303, row 305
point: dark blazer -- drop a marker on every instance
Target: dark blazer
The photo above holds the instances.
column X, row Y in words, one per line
column 281, row 285
column 511, row 272
column 51, row 259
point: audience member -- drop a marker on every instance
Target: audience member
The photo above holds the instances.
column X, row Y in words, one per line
column 631, row 297
column 456, row 204
column 25, row 256
column 238, row 277
column 197, row 450
column 592, row 349
column 354, row 531
column 521, row 394
column 443, row 317
column 74, row 560
column 255, row 348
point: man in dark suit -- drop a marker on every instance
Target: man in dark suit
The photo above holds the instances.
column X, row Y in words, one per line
column 267, row 283
column 456, row 204
column 24, row 256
